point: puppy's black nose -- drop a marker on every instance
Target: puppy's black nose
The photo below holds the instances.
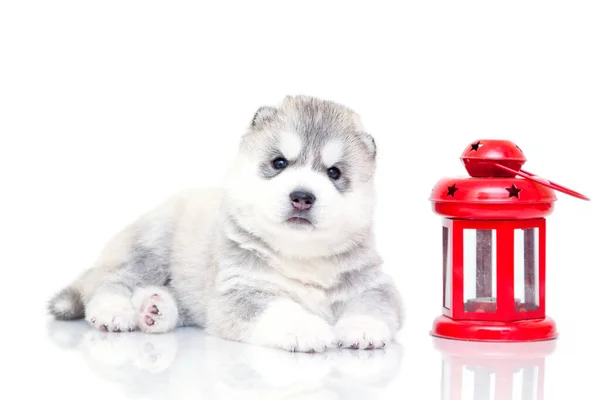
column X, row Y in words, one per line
column 302, row 200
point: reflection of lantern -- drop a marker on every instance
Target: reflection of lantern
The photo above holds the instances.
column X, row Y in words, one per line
column 493, row 370
column 494, row 238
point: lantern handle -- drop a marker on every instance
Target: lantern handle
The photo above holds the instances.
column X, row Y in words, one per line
column 545, row 182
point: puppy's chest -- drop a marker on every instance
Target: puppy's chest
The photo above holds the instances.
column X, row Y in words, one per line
column 315, row 284
column 315, row 272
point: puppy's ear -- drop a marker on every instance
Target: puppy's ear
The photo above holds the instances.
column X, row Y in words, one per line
column 370, row 142
column 366, row 138
column 262, row 115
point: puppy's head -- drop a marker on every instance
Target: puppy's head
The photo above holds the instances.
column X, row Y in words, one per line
column 303, row 179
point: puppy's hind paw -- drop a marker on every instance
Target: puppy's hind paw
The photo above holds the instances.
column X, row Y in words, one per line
column 157, row 309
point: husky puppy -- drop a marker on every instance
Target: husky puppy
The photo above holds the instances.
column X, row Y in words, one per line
column 282, row 256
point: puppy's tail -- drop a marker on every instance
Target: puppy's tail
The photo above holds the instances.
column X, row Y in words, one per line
column 67, row 304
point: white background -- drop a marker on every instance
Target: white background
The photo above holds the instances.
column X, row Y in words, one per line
column 108, row 107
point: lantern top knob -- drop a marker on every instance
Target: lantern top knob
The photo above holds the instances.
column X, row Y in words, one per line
column 504, row 159
column 482, row 157
column 497, row 186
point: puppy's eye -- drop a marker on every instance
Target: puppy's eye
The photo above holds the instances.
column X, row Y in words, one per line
column 279, row 163
column 334, row 173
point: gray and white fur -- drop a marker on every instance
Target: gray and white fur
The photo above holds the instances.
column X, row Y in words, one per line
column 282, row 255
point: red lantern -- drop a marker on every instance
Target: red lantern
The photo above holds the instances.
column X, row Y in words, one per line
column 494, row 247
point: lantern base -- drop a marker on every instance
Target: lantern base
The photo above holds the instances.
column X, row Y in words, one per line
column 495, row 331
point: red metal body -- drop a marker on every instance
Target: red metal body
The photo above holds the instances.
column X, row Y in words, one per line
column 494, row 247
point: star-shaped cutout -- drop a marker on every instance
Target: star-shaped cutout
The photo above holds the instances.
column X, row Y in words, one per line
column 451, row 190
column 513, row 191
column 476, row 146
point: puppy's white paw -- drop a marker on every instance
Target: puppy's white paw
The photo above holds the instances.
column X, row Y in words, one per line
column 286, row 325
column 111, row 312
column 362, row 332
column 157, row 309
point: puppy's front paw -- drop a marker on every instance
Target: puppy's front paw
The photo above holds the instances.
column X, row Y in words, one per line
column 288, row 326
column 362, row 332
column 157, row 309
column 111, row 312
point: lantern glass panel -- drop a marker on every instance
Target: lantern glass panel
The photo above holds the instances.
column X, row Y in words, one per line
column 527, row 269
column 447, row 265
column 479, row 270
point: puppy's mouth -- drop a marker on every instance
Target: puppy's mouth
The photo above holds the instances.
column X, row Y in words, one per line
column 298, row 220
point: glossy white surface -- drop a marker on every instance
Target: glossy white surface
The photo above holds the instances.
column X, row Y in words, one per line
column 72, row 361
column 108, row 107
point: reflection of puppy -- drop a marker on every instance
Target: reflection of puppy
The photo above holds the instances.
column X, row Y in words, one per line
column 152, row 353
column 188, row 364
column 283, row 256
